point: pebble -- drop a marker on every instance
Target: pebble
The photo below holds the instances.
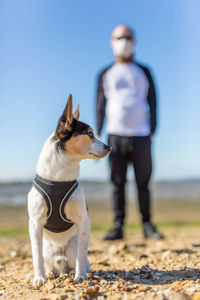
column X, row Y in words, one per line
column 13, row 253
column 91, row 291
column 179, row 296
column 166, row 254
column 2, row 267
column 48, row 286
column 118, row 272
column 196, row 245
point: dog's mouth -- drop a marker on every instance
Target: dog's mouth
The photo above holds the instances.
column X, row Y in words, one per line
column 95, row 154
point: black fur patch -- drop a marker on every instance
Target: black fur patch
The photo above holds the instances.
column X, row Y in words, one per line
column 77, row 128
column 80, row 128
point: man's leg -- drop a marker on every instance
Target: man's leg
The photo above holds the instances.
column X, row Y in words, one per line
column 142, row 162
column 143, row 168
column 118, row 166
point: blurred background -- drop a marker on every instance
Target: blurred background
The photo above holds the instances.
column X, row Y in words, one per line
column 52, row 48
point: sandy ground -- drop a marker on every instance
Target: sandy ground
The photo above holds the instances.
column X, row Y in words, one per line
column 132, row 269
column 129, row 269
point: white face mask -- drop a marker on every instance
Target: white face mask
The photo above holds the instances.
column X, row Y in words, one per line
column 123, row 48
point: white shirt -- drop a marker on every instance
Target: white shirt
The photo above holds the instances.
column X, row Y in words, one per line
column 126, row 88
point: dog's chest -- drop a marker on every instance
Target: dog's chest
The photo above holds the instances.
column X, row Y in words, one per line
column 56, row 195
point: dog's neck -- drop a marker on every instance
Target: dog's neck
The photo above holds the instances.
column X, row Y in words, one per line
column 56, row 166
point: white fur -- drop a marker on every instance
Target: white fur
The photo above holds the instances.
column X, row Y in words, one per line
column 66, row 251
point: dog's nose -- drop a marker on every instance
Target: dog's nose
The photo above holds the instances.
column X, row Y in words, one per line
column 107, row 148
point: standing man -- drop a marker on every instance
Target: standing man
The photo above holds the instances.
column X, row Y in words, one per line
column 126, row 96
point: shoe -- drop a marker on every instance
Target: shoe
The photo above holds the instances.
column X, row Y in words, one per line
column 151, row 232
column 114, row 234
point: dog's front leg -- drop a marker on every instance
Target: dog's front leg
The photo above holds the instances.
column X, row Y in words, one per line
column 83, row 233
column 35, row 229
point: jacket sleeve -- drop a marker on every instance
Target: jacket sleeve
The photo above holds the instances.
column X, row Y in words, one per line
column 152, row 104
column 152, row 100
column 100, row 104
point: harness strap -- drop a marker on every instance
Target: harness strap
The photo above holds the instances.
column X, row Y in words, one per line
column 56, row 195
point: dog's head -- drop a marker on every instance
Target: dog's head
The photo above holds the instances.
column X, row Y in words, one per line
column 77, row 138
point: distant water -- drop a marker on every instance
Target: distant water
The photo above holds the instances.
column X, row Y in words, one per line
column 16, row 193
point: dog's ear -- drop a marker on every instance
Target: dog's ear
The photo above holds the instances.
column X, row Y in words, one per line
column 68, row 111
column 76, row 114
column 65, row 121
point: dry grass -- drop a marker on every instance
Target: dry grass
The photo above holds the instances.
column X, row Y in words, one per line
column 165, row 213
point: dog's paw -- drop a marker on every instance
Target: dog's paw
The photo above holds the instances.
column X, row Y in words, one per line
column 38, row 281
column 72, row 274
column 80, row 278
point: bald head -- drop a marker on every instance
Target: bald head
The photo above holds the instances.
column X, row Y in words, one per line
column 122, row 31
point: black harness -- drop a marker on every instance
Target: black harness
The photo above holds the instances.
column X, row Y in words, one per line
column 56, row 195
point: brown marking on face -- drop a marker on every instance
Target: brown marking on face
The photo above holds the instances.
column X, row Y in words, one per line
column 78, row 145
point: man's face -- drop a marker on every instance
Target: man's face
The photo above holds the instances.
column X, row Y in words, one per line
column 122, row 42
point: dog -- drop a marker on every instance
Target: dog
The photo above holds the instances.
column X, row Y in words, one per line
column 59, row 230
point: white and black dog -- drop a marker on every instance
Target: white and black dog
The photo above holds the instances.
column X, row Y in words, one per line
column 59, row 225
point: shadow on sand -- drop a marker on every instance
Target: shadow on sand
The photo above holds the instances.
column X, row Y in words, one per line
column 148, row 276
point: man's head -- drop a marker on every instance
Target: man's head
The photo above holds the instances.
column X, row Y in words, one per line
column 122, row 42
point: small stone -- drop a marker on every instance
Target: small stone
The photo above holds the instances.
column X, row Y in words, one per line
column 197, row 281
column 102, row 282
column 196, row 245
column 69, row 290
column 58, row 297
column 50, row 275
column 143, row 256
column 29, row 276
column 179, row 296
column 145, row 269
column 91, row 291
column 101, row 297
column 13, row 253
column 48, row 286
column 166, row 254
column 63, row 275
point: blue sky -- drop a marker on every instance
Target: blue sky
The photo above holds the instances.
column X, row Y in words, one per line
column 52, row 48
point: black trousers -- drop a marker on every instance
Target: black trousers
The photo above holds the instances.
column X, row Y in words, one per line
column 135, row 150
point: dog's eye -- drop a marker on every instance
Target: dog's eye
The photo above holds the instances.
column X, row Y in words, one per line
column 91, row 134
